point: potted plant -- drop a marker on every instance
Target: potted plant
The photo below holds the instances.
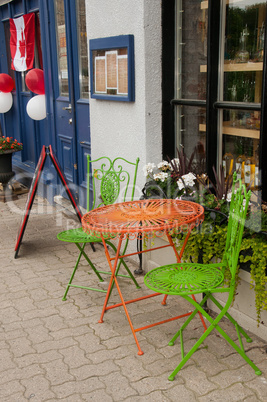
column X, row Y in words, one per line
column 172, row 179
column 7, row 147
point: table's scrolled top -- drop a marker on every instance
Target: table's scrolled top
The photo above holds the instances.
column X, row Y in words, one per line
column 134, row 218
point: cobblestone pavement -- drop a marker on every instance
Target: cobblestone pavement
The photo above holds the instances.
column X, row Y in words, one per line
column 56, row 350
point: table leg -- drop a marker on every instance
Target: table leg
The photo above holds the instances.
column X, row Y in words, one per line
column 114, row 278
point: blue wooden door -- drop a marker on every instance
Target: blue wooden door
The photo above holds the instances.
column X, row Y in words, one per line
column 71, row 91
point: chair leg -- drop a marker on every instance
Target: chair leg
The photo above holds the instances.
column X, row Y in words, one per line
column 89, row 261
column 121, row 261
column 72, row 275
column 230, row 318
column 213, row 324
column 81, row 249
column 189, row 319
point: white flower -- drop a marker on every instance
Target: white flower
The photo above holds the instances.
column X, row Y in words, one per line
column 229, row 197
column 148, row 168
column 180, row 184
column 162, row 176
column 164, row 165
column 188, row 180
column 176, row 162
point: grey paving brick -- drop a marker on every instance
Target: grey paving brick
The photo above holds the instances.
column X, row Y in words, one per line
column 77, row 387
column 36, row 387
column 229, row 377
column 196, row 380
column 20, row 373
column 10, row 388
column 118, row 386
column 20, row 346
column 53, row 350
column 57, row 372
column 74, row 357
column 259, row 386
column 235, row 392
column 29, row 359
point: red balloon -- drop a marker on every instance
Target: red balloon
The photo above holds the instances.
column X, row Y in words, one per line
column 35, row 81
column 6, row 83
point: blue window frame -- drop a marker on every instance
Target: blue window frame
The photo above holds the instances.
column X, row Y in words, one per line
column 112, row 68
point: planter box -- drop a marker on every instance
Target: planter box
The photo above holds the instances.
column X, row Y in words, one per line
column 243, row 309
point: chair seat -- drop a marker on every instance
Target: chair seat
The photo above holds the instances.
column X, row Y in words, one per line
column 184, row 279
column 79, row 236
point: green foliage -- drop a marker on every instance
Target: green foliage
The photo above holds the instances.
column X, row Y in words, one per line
column 256, row 254
column 7, row 144
column 207, row 242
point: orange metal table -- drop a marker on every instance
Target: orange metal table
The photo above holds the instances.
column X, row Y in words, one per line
column 146, row 219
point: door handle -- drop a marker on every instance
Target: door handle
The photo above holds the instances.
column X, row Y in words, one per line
column 69, row 108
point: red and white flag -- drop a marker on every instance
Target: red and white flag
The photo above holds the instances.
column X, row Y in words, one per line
column 22, row 36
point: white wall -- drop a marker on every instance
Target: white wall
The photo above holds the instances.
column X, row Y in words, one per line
column 130, row 129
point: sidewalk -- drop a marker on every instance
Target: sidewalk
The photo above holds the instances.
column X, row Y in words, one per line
column 54, row 350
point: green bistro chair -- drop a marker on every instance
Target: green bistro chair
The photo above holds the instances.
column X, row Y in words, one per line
column 186, row 279
column 112, row 182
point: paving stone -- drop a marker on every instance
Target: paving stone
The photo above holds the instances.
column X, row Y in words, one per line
column 74, row 357
column 208, row 362
column 94, row 370
column 132, row 368
column 53, row 350
column 36, row 387
column 9, row 315
column 20, row 373
column 236, row 392
column 155, row 396
column 229, row 377
column 114, row 354
column 20, row 346
column 118, row 386
column 252, row 398
column 77, row 387
column 38, row 334
column 196, row 380
column 57, row 372
column 98, row 395
column 54, row 323
column 6, row 360
column 29, row 359
column 180, row 391
column 54, row 345
column 259, row 385
column 8, row 389
column 71, row 398
column 90, row 343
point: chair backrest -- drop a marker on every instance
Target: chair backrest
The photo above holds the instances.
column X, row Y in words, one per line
column 112, row 181
column 236, row 222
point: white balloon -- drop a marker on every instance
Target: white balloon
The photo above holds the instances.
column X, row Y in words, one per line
column 36, row 108
column 6, row 101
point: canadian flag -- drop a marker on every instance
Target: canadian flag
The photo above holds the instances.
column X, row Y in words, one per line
column 22, row 36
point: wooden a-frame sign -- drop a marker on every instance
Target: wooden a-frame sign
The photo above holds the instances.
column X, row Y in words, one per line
column 34, row 184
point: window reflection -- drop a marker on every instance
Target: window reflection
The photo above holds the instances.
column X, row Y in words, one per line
column 61, row 48
column 83, row 51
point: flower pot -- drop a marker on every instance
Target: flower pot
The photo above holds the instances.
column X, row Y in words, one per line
column 6, row 173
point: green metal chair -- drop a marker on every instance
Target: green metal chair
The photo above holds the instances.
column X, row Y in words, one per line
column 112, row 182
column 185, row 279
